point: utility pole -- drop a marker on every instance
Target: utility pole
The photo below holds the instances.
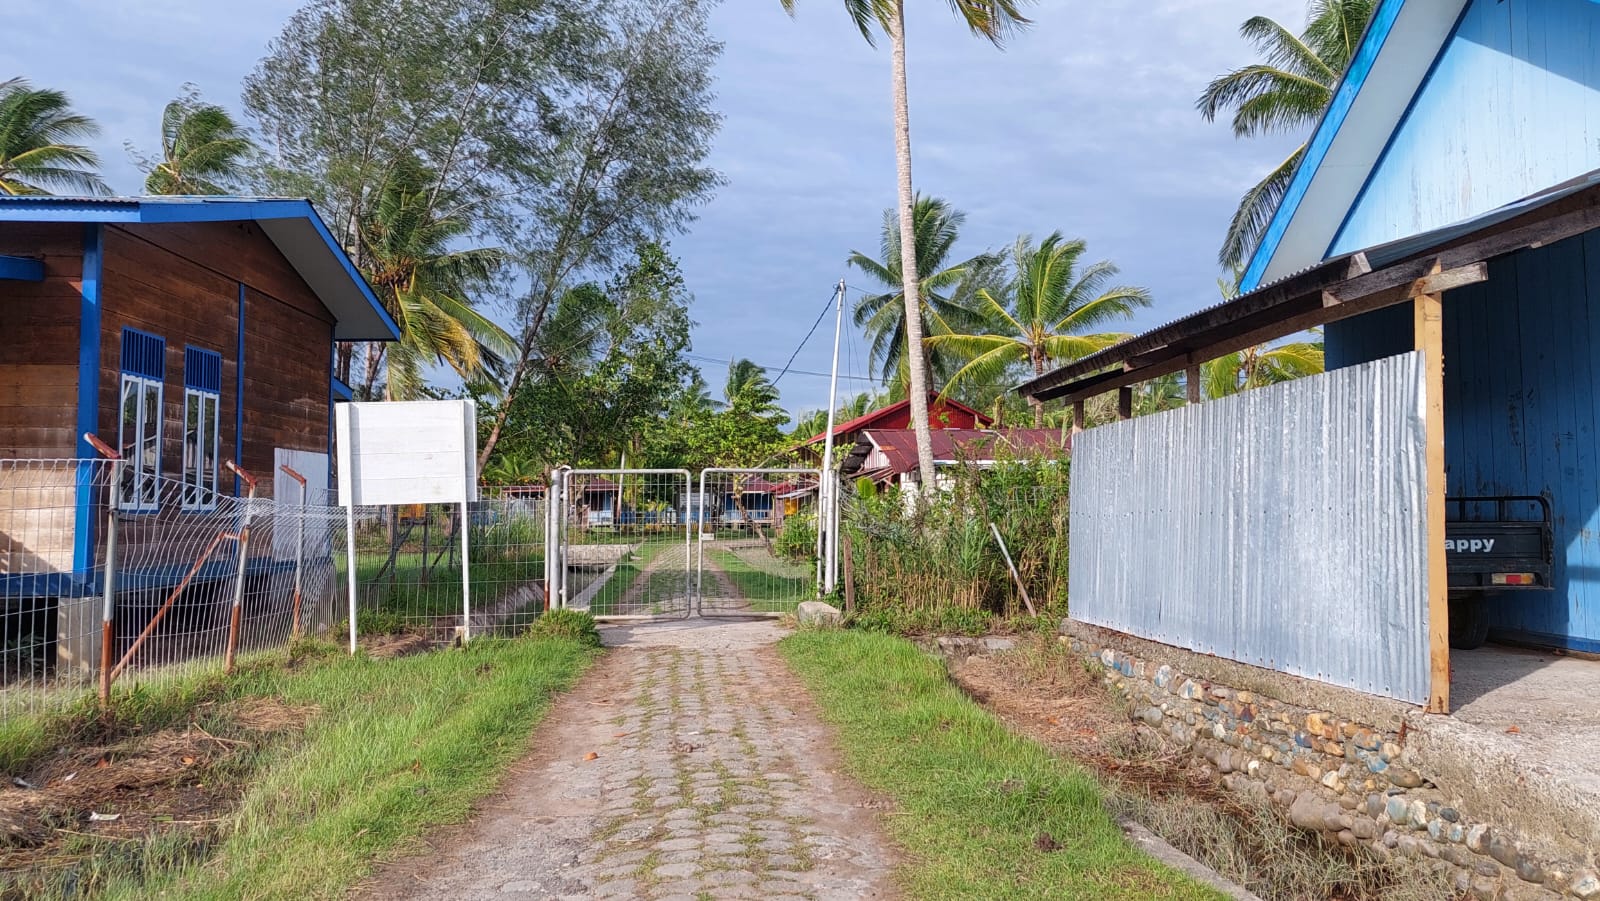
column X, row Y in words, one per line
column 828, row 486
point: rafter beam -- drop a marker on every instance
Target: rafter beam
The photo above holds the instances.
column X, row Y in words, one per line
column 22, row 269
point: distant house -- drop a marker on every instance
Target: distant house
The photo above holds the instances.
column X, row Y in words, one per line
column 943, row 413
column 889, row 456
column 181, row 331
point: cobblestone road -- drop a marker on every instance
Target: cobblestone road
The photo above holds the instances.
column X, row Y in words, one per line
column 710, row 777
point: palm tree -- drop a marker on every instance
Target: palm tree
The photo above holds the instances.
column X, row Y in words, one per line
column 1286, row 92
column 37, row 155
column 202, row 149
column 945, row 290
column 1260, row 365
column 992, row 20
column 750, row 391
column 1048, row 312
column 424, row 285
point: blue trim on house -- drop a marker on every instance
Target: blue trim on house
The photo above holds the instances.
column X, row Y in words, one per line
column 338, row 390
column 88, row 419
column 238, row 401
column 202, row 369
column 1383, row 20
column 1383, row 154
column 333, row 358
column 1546, row 639
column 37, row 208
column 21, row 269
column 143, row 354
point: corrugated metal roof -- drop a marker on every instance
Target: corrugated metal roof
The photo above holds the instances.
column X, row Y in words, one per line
column 291, row 223
column 865, row 420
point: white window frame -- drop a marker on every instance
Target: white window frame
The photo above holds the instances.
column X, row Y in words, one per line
column 133, row 497
column 199, row 485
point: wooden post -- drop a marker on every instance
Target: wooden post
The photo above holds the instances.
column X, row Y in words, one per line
column 1191, row 381
column 1080, row 417
column 1429, row 334
column 1125, row 402
column 849, row 574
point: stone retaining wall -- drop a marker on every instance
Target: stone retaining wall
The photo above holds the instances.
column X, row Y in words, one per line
column 1353, row 780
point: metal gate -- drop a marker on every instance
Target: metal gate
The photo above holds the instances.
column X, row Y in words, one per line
column 757, row 549
column 620, row 542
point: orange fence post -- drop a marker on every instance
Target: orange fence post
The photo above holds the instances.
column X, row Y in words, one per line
column 108, row 628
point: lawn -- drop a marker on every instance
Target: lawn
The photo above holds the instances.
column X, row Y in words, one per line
column 388, row 749
column 981, row 812
column 663, row 591
column 776, row 587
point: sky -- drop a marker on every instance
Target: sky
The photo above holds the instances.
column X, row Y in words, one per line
column 1084, row 123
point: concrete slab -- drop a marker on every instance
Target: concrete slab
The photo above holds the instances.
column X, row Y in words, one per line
column 1524, row 738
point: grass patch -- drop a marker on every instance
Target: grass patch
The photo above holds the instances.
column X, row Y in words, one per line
column 769, row 590
column 390, row 749
column 983, row 813
column 670, row 583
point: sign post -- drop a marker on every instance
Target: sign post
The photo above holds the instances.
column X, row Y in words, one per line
column 408, row 452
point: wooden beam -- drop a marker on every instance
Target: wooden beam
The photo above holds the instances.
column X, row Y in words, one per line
column 22, row 269
column 1125, row 403
column 1080, row 417
column 1191, row 381
column 1428, row 334
column 1433, row 282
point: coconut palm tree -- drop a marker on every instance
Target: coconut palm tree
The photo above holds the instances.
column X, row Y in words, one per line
column 1260, row 365
column 37, row 153
column 750, row 391
column 424, row 284
column 993, row 20
column 1048, row 312
column 946, row 290
column 202, row 149
column 1287, row 91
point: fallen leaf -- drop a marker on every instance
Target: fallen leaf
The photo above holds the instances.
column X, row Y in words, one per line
column 1513, row 730
column 102, row 763
column 104, row 817
column 622, row 735
column 187, row 760
column 590, row 756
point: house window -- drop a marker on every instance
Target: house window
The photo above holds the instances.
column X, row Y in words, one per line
column 202, row 386
column 144, row 367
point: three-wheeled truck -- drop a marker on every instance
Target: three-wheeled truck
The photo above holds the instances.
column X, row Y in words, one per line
column 1492, row 545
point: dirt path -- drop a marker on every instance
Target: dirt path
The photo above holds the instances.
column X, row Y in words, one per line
column 688, row 765
column 642, row 594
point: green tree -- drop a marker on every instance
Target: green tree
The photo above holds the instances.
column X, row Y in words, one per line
column 945, row 291
column 749, row 387
column 1047, row 312
column 203, row 151
column 415, row 263
column 1260, row 365
column 37, row 151
column 992, row 20
column 1287, row 91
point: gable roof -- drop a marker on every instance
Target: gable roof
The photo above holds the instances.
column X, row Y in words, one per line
column 877, row 417
column 950, row 447
column 1399, row 48
column 289, row 223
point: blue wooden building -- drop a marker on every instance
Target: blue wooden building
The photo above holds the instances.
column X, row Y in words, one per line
column 1453, row 112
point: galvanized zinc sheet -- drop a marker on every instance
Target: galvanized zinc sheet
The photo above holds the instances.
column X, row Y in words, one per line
column 1281, row 527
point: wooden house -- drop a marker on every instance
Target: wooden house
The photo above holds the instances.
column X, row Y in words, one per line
column 943, row 413
column 184, row 332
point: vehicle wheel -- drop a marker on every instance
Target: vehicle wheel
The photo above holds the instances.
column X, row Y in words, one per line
column 1469, row 622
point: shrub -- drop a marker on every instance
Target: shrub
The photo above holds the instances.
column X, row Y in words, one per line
column 797, row 538
column 573, row 625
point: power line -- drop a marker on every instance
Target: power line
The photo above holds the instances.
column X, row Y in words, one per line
column 820, row 317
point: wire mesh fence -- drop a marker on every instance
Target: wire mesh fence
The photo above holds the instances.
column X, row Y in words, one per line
column 756, row 540
column 623, row 540
column 409, row 573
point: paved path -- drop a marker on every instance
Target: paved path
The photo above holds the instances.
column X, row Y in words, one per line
column 689, row 765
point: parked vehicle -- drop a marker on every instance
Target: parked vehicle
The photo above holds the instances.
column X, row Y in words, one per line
column 1492, row 545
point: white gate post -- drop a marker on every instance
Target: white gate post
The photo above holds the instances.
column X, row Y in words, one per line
column 466, row 575
column 350, row 566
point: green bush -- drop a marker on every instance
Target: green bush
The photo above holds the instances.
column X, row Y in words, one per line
column 934, row 565
column 797, row 539
column 575, row 625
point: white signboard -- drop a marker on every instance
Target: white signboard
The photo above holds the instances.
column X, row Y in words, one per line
column 407, row 452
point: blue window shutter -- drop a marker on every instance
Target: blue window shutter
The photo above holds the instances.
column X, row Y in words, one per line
column 144, row 354
column 202, row 369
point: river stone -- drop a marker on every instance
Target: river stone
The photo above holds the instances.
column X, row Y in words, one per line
column 1503, row 849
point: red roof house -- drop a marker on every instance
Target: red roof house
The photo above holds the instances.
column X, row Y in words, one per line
column 886, row 455
column 943, row 413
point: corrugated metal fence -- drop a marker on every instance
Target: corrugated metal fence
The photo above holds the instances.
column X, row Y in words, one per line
column 1281, row 527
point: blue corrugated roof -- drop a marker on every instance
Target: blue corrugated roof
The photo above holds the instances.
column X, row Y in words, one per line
column 290, row 223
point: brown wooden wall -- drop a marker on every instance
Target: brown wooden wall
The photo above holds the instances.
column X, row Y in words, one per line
column 181, row 282
column 39, row 343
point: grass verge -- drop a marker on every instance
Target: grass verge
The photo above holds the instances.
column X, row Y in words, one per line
column 766, row 590
column 387, row 750
column 982, row 813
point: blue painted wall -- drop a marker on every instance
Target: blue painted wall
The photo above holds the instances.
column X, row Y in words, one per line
column 1522, row 406
column 1511, row 107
